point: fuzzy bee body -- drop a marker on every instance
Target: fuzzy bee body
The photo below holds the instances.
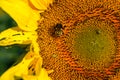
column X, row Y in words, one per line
column 58, row 30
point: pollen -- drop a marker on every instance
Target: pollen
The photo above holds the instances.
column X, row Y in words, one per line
column 89, row 46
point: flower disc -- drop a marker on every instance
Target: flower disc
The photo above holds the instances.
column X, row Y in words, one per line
column 79, row 39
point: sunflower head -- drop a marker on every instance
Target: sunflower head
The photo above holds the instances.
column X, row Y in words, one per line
column 80, row 39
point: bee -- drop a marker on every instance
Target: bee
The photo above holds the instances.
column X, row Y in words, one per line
column 58, row 30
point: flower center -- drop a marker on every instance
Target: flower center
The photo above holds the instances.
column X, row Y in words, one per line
column 94, row 43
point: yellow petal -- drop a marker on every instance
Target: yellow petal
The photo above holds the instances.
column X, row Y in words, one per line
column 13, row 36
column 23, row 70
column 17, row 70
column 41, row 4
column 16, row 36
column 26, row 17
column 21, row 12
column 42, row 76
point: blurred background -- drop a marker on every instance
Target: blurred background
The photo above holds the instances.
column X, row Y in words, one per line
column 9, row 55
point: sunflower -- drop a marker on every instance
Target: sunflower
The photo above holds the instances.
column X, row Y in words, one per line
column 77, row 39
column 80, row 39
column 26, row 13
